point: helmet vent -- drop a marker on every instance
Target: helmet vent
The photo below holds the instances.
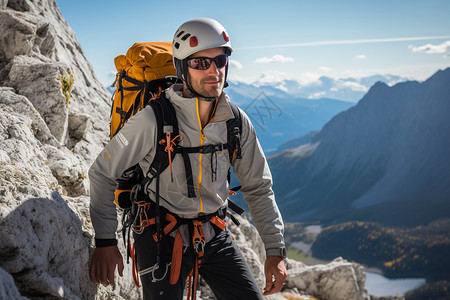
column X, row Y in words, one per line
column 181, row 32
column 193, row 42
column 177, row 45
column 185, row 36
column 225, row 36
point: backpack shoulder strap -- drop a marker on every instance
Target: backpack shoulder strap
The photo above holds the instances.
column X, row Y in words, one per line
column 234, row 130
column 167, row 147
column 166, row 121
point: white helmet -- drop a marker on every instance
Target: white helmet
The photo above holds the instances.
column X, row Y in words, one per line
column 194, row 36
column 197, row 35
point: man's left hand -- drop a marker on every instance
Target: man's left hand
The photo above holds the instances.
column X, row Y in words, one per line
column 276, row 274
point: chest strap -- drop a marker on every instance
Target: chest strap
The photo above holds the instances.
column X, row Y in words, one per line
column 184, row 151
column 212, row 149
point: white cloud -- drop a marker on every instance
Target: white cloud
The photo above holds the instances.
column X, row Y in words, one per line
column 282, row 87
column 361, row 56
column 277, row 58
column 324, row 69
column 433, row 49
column 271, row 77
column 354, row 86
column 278, row 80
column 317, row 95
column 305, row 150
column 309, row 79
column 234, row 64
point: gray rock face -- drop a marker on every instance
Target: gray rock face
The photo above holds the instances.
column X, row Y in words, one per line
column 8, row 289
column 45, row 238
column 338, row 280
column 21, row 104
column 24, row 170
column 38, row 81
column 42, row 246
column 47, row 142
column 39, row 50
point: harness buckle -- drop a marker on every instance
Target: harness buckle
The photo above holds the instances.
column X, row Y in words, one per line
column 198, row 238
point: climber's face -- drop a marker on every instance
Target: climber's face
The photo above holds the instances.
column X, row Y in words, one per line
column 206, row 71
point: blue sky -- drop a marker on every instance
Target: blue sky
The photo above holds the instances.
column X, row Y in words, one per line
column 299, row 40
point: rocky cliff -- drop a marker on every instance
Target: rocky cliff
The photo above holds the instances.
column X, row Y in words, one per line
column 53, row 122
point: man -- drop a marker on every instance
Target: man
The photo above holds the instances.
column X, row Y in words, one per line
column 201, row 48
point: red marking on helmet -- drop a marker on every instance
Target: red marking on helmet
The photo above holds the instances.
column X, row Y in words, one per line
column 193, row 42
column 225, row 36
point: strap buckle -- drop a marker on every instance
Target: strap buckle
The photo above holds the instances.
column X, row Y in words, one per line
column 210, row 148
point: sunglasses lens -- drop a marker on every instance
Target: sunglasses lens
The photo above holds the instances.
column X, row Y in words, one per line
column 203, row 63
column 221, row 60
column 200, row 63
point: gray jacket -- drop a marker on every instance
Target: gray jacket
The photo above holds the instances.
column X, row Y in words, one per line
column 136, row 143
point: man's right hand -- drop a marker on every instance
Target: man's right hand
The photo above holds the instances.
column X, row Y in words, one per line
column 103, row 265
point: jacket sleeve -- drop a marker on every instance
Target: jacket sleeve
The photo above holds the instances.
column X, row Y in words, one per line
column 132, row 144
column 252, row 170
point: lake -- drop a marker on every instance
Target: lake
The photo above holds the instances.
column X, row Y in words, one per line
column 380, row 286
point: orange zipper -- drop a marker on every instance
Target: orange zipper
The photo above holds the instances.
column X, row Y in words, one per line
column 202, row 138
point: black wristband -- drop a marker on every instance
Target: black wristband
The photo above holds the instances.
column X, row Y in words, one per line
column 277, row 252
column 100, row 243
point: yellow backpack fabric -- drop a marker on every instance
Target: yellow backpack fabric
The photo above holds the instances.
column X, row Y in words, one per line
column 142, row 74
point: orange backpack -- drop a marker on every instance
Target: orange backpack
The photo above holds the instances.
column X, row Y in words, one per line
column 143, row 73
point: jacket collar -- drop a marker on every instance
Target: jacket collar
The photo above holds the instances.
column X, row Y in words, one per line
column 189, row 105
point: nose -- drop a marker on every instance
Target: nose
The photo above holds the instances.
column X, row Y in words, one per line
column 213, row 68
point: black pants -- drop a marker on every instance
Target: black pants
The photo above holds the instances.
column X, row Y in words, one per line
column 223, row 267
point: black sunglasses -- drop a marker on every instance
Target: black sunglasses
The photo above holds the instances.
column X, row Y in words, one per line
column 203, row 63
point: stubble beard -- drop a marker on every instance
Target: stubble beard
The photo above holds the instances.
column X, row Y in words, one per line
column 207, row 91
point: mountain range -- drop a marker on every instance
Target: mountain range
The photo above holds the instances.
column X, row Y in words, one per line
column 278, row 118
column 386, row 159
column 350, row 89
column 286, row 109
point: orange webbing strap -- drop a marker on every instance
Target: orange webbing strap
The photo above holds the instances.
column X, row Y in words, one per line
column 198, row 243
column 157, row 95
column 189, row 285
column 134, row 263
column 170, row 142
column 218, row 222
column 144, row 221
column 192, row 287
column 195, row 275
column 177, row 255
column 168, row 228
